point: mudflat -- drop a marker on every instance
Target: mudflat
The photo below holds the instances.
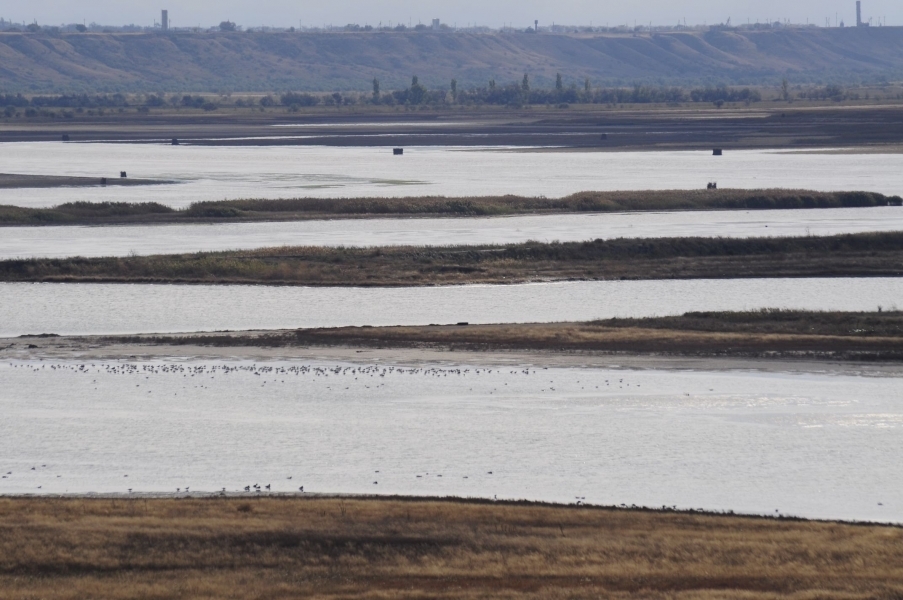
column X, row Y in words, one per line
column 773, row 340
column 759, row 335
column 865, row 124
column 18, row 181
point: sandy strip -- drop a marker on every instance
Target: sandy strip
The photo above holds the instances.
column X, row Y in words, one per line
column 95, row 348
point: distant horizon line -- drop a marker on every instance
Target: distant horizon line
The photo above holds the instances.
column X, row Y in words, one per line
column 389, row 26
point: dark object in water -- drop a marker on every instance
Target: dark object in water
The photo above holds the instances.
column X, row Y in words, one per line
column 717, row 152
column 122, row 174
column 65, row 137
column 175, row 141
column 712, row 185
column 398, row 151
column 604, row 136
column 103, row 181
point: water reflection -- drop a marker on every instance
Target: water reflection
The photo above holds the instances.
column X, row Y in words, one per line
column 95, row 309
column 217, row 173
column 26, row 242
column 824, row 446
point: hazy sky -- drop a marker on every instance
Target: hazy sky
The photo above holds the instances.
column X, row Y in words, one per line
column 519, row 13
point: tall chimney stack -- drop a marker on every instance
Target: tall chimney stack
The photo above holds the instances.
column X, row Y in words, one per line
column 858, row 13
column 164, row 20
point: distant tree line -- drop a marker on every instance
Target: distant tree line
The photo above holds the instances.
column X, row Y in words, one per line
column 519, row 94
column 417, row 94
column 829, row 92
column 65, row 101
column 523, row 93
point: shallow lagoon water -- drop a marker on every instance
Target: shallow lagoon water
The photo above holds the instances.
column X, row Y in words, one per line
column 815, row 445
column 229, row 172
column 54, row 242
column 84, row 309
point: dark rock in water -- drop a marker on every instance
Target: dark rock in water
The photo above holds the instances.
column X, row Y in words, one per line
column 398, row 151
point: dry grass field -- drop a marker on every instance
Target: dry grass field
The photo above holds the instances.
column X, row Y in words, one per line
column 404, row 548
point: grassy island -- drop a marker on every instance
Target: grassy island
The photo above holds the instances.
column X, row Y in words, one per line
column 859, row 255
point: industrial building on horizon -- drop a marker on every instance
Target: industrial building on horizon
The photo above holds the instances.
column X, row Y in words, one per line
column 165, row 25
column 859, row 22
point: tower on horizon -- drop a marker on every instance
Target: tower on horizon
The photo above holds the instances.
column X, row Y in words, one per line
column 859, row 21
column 164, row 20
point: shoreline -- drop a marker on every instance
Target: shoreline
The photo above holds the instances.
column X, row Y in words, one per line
column 450, row 500
column 772, row 341
column 78, row 348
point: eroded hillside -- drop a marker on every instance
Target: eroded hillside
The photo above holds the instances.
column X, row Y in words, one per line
column 349, row 61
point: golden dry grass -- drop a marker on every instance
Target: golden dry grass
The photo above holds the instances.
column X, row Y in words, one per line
column 390, row 548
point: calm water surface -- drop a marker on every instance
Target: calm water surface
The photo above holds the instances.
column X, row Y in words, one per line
column 27, row 308
column 815, row 445
column 217, row 173
column 24, row 242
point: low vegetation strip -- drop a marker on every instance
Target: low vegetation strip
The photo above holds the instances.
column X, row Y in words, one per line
column 761, row 334
column 277, row 547
column 87, row 213
column 860, row 255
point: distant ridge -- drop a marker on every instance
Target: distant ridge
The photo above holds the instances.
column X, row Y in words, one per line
column 41, row 63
